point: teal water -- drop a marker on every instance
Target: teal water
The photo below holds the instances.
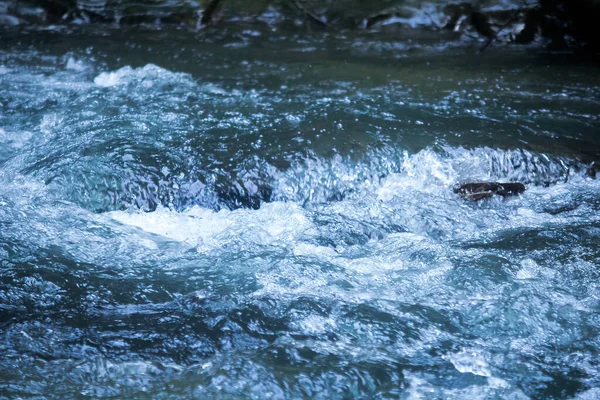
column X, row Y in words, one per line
column 252, row 213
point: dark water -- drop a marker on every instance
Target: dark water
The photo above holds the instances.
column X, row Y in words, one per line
column 251, row 213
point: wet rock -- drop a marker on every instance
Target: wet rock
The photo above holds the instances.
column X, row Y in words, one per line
column 593, row 169
column 482, row 190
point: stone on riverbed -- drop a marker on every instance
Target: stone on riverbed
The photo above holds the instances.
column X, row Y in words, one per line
column 482, row 190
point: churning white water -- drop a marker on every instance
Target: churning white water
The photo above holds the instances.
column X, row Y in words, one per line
column 202, row 221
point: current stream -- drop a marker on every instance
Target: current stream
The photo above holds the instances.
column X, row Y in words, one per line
column 249, row 213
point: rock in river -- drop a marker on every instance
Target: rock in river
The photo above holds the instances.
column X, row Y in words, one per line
column 482, row 190
column 593, row 169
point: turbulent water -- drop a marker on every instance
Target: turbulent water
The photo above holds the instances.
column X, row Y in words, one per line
column 247, row 213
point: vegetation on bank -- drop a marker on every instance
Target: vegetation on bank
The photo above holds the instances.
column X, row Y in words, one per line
column 558, row 23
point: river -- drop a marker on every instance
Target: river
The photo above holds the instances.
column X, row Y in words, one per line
column 246, row 212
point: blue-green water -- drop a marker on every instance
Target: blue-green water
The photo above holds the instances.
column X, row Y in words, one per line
column 249, row 213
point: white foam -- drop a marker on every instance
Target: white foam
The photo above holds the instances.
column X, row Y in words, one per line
column 146, row 76
column 76, row 65
column 50, row 123
column 214, row 89
column 529, row 269
column 418, row 388
column 590, row 394
column 315, row 324
column 470, row 361
column 207, row 229
column 14, row 139
column 423, row 15
column 186, row 227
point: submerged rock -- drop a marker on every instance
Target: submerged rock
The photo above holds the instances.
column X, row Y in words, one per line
column 482, row 190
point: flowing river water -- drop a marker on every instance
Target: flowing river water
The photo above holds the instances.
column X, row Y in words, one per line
column 246, row 213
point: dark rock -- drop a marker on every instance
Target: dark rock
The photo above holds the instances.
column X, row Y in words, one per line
column 593, row 169
column 533, row 19
column 482, row 25
column 483, row 190
column 55, row 9
column 209, row 11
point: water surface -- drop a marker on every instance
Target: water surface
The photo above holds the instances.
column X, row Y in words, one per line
column 252, row 213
